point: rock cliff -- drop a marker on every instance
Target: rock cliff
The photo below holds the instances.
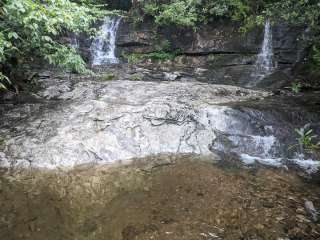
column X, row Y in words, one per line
column 218, row 51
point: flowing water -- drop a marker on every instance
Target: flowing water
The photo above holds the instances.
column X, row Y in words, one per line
column 188, row 145
column 74, row 43
column 104, row 45
column 265, row 63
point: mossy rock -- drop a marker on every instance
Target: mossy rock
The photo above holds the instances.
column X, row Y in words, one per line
column 108, row 77
column 2, row 143
column 136, row 77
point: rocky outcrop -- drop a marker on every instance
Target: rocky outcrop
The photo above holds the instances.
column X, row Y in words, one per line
column 77, row 121
column 220, row 37
column 228, row 55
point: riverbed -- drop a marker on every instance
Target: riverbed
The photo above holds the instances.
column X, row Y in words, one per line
column 160, row 197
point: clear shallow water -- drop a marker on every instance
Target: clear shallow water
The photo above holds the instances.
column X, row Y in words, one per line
column 180, row 197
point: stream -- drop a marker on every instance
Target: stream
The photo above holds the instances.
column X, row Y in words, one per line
column 127, row 159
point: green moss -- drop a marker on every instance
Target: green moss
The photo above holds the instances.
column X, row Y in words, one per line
column 135, row 77
column 135, row 58
column 2, row 142
column 211, row 58
column 161, row 56
column 108, row 77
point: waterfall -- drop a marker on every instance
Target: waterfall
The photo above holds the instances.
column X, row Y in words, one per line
column 264, row 65
column 103, row 46
column 74, row 43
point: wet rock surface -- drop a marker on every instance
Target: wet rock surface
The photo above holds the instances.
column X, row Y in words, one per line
column 221, row 37
column 80, row 121
column 93, row 121
column 228, row 55
column 164, row 197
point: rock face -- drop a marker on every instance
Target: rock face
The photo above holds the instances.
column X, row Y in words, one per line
column 119, row 120
column 228, row 55
column 101, row 122
column 225, row 55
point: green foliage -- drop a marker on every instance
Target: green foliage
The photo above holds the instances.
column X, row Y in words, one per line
column 31, row 28
column 299, row 12
column 4, row 81
column 233, row 9
column 163, row 45
column 65, row 57
column 2, row 141
column 108, row 76
column 250, row 13
column 151, row 8
column 136, row 77
column 307, row 139
column 160, row 55
column 182, row 13
column 188, row 13
column 296, row 87
column 133, row 58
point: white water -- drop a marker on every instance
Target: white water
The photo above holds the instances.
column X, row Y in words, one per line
column 74, row 43
column 265, row 64
column 104, row 45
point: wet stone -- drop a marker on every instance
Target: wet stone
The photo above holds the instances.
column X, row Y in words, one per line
column 103, row 122
column 83, row 122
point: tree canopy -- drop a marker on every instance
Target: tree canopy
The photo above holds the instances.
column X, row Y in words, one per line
column 190, row 13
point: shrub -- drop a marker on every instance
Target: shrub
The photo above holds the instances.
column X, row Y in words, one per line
column 31, row 28
column 307, row 140
column 161, row 55
column 189, row 13
column 133, row 58
column 179, row 12
column 296, row 87
column 136, row 77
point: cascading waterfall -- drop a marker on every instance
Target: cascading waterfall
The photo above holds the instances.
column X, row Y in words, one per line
column 104, row 45
column 74, row 43
column 265, row 64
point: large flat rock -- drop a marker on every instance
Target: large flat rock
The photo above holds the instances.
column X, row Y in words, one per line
column 103, row 122
column 83, row 122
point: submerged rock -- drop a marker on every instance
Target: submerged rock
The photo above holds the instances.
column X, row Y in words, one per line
column 163, row 197
column 312, row 210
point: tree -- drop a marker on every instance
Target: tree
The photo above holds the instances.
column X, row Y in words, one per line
column 31, row 28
